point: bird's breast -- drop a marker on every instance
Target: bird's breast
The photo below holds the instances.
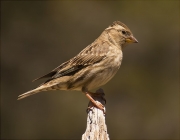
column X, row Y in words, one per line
column 105, row 71
column 115, row 57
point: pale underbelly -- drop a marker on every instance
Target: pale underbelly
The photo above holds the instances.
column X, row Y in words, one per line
column 95, row 78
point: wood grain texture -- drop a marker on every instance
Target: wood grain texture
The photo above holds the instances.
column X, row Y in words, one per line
column 96, row 125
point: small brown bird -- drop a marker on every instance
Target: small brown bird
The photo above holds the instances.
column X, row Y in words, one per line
column 93, row 67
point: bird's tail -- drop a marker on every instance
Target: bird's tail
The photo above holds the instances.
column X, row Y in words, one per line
column 31, row 92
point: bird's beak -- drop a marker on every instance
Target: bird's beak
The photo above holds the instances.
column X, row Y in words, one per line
column 131, row 39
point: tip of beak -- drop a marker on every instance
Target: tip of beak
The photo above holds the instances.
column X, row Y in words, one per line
column 131, row 39
column 135, row 41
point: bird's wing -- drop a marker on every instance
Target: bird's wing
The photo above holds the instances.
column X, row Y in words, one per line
column 90, row 55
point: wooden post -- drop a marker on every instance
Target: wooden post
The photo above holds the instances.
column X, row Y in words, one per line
column 96, row 126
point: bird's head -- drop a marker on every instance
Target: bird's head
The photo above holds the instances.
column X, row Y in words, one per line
column 120, row 33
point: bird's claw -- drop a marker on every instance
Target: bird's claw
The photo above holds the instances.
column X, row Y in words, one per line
column 97, row 105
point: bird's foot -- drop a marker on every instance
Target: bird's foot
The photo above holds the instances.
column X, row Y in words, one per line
column 99, row 95
column 97, row 99
column 98, row 105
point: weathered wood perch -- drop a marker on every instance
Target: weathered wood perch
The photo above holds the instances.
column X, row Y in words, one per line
column 96, row 125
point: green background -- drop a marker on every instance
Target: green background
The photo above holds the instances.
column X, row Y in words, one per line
column 143, row 97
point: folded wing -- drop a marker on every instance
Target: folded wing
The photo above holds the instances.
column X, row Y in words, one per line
column 90, row 55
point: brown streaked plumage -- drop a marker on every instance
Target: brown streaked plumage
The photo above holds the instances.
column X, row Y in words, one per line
column 93, row 67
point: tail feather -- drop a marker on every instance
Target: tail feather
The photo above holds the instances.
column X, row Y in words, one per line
column 38, row 89
column 29, row 93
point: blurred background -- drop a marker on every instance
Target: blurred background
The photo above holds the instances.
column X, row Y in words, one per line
column 143, row 97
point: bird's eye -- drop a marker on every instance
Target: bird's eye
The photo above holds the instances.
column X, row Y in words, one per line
column 123, row 32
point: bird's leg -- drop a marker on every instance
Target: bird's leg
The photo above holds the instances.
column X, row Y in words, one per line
column 98, row 105
column 90, row 96
column 99, row 94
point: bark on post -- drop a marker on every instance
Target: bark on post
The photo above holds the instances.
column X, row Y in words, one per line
column 96, row 126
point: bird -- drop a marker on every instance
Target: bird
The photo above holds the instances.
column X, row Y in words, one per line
column 93, row 67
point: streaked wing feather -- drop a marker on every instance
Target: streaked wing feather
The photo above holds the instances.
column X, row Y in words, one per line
column 53, row 72
column 90, row 55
